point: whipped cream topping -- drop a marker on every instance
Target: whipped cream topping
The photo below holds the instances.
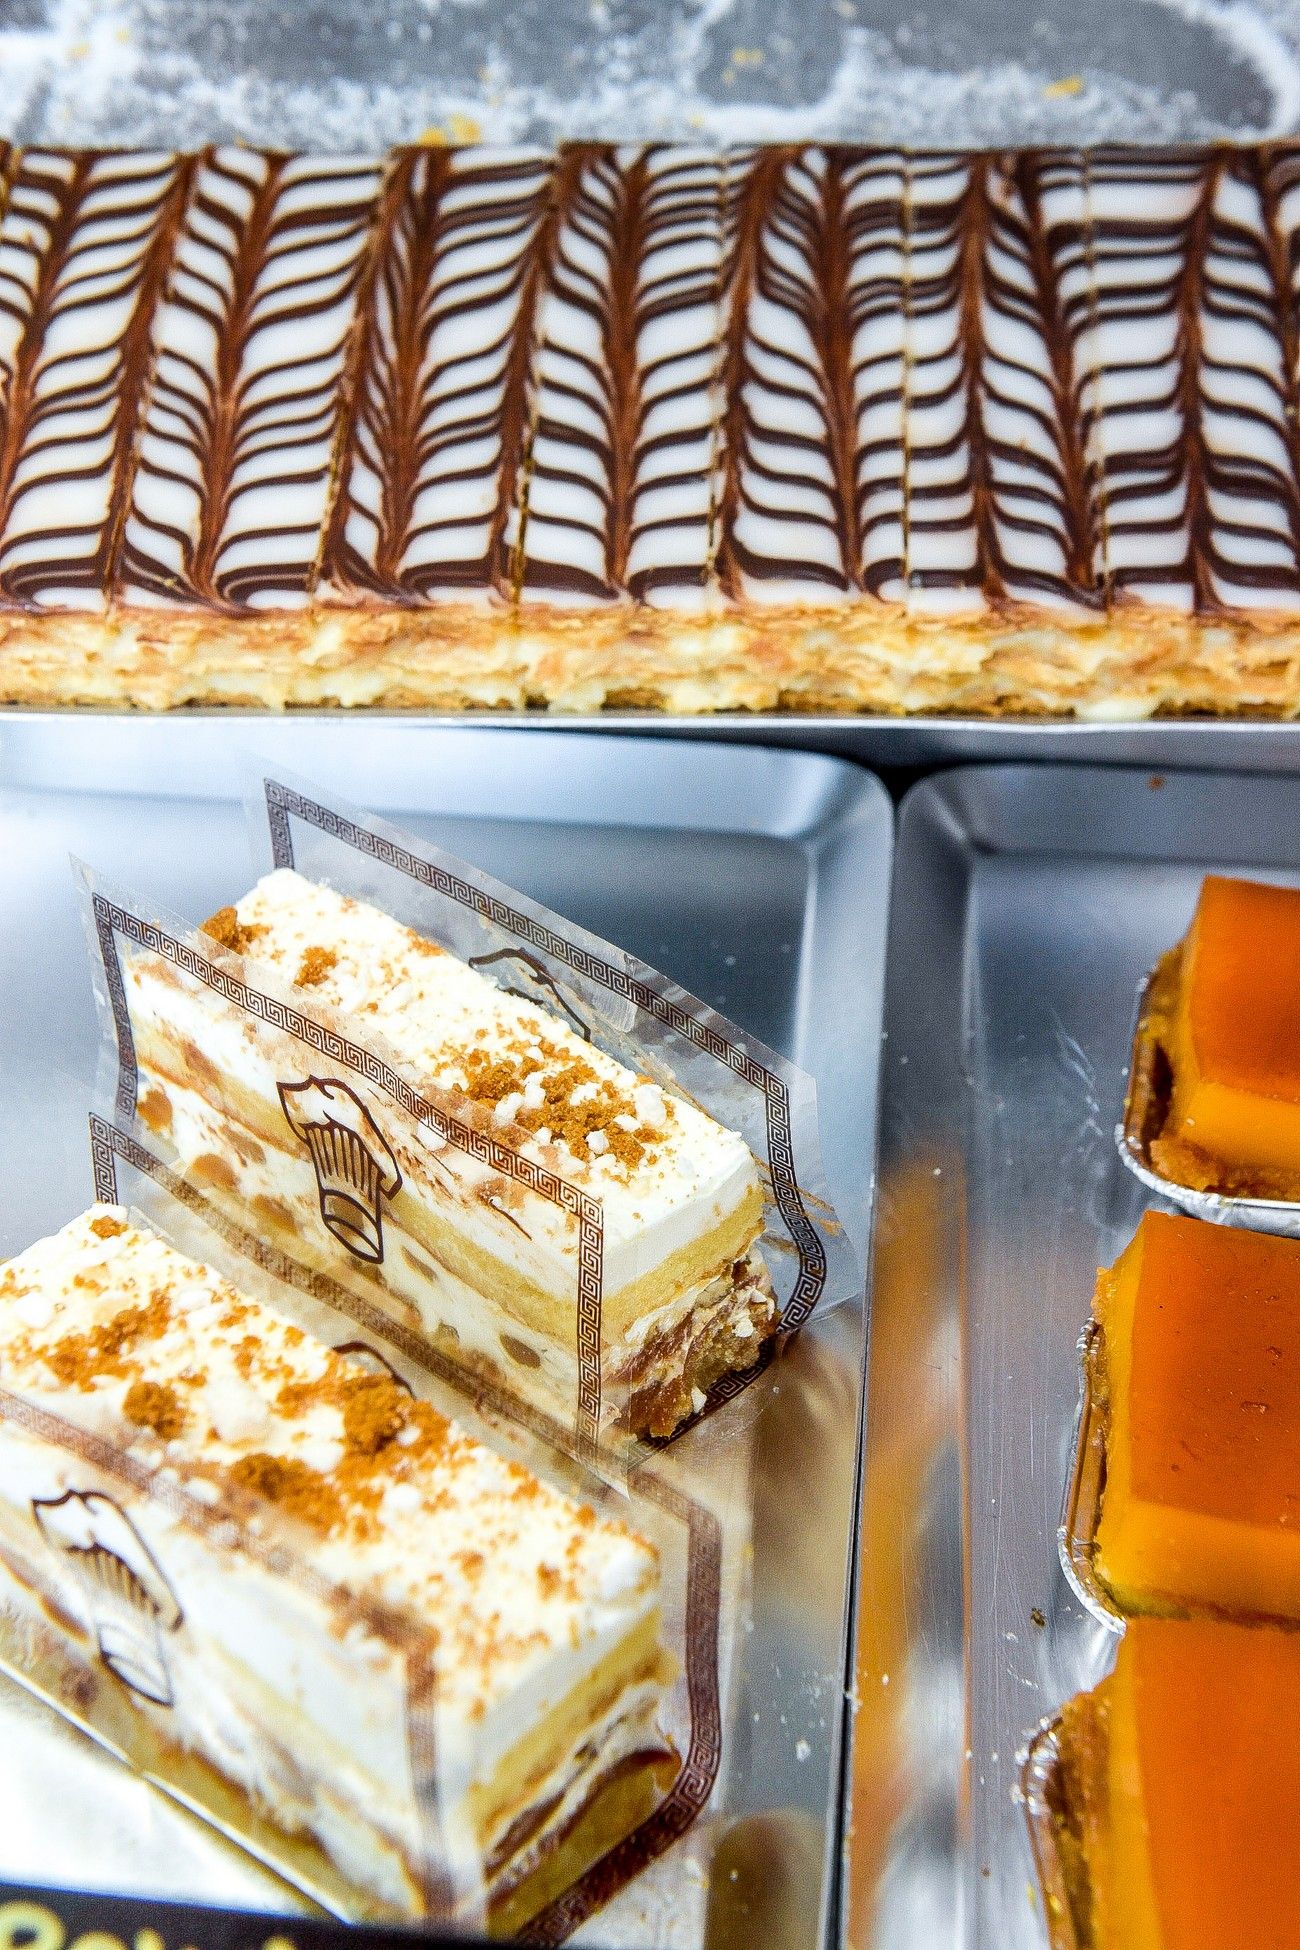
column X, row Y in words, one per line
column 110, row 1327
column 648, row 1156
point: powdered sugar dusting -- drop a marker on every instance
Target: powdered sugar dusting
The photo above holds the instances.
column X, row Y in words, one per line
column 331, row 76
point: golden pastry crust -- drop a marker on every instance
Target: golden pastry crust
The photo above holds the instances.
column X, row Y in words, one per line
column 808, row 430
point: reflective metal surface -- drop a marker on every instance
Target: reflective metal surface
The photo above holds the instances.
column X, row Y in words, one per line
column 760, row 881
column 899, row 745
column 1029, row 903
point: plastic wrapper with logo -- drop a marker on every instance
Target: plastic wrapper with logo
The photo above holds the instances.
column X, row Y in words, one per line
column 571, row 1180
column 482, row 1688
column 180, row 1623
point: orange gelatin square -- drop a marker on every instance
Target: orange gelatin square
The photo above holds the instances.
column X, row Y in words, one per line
column 1235, row 1042
column 1185, row 1771
column 1201, row 1374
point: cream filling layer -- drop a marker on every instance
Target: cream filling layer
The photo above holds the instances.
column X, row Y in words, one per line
column 243, row 1652
column 263, row 1196
column 850, row 657
column 187, row 1032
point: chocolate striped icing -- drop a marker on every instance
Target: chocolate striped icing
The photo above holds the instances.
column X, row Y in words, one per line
column 83, row 242
column 1247, row 389
column 242, row 418
column 437, row 437
column 876, row 322
column 996, row 495
column 789, row 518
column 947, row 384
column 617, row 498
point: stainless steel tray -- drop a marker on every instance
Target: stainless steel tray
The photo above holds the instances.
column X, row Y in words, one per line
column 921, row 744
column 1029, row 903
column 760, row 880
column 902, row 744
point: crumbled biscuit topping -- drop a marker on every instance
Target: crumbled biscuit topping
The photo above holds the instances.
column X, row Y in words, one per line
column 537, row 1079
column 147, row 1347
column 315, row 965
column 154, row 1405
column 538, row 1086
column 298, row 1489
column 225, row 928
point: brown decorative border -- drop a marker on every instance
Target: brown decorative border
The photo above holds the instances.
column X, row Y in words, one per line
column 284, row 802
column 113, row 921
column 694, row 1784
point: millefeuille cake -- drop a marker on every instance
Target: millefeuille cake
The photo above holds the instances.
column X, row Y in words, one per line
column 280, row 1697
column 802, row 428
column 478, row 1255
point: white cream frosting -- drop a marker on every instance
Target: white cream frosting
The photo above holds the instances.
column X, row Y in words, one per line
column 429, row 1009
column 521, row 1590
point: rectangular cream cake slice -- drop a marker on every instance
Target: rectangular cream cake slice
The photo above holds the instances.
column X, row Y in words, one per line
column 267, row 1698
column 485, row 1263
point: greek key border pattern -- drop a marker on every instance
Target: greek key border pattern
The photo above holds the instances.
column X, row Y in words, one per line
column 107, row 1145
column 113, row 922
column 284, row 802
column 690, row 1792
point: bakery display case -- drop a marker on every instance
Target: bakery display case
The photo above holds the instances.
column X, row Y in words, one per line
column 665, row 1317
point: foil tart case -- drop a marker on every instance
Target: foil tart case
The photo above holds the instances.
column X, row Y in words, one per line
column 1145, row 1093
column 1076, row 1535
column 1081, row 1506
column 1042, row 1795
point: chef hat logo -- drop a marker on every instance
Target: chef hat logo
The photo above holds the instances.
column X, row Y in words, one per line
column 355, row 1169
column 129, row 1601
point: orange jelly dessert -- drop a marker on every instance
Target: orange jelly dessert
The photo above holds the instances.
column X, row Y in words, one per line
column 1199, row 1378
column 1230, row 1003
column 1179, row 1818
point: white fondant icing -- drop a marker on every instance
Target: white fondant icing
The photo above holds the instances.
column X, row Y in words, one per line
column 621, row 484
column 235, row 462
column 426, row 480
column 76, row 241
